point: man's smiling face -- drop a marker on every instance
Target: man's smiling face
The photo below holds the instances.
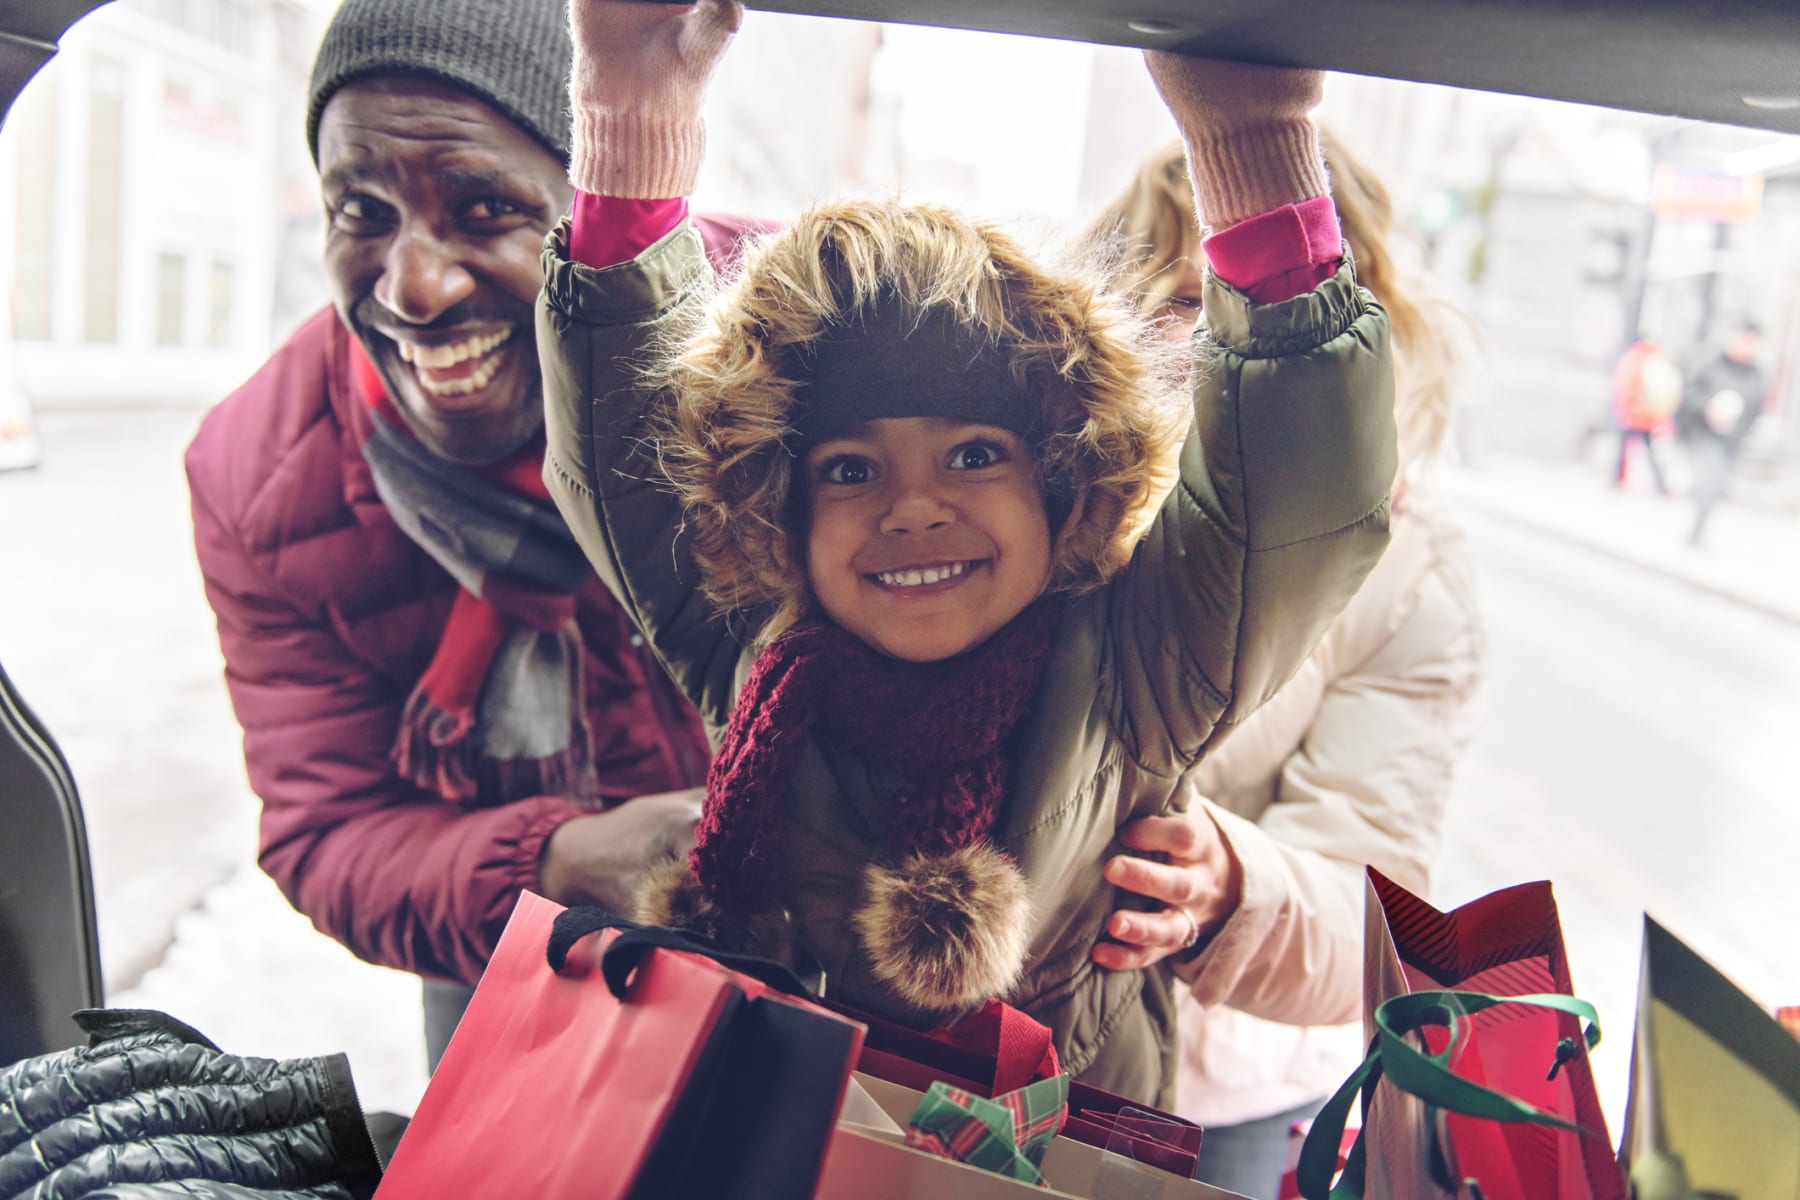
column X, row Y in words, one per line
column 436, row 208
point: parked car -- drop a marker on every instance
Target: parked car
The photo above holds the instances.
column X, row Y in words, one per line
column 19, row 444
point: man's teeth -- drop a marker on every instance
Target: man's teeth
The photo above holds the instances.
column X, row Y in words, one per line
column 474, row 381
column 919, row 576
column 439, row 357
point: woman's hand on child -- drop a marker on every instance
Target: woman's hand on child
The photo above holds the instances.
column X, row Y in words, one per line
column 639, row 79
column 1200, row 886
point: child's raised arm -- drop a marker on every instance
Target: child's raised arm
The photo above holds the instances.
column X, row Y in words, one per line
column 614, row 279
column 635, row 91
column 1281, row 506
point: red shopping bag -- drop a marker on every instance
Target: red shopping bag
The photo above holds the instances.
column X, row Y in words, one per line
column 1502, row 1061
column 1402, row 1061
column 1001, row 1049
column 693, row 1079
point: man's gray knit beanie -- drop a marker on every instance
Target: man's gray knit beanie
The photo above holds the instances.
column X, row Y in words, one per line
column 514, row 54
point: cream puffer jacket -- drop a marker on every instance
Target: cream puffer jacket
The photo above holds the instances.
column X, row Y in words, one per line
column 1349, row 764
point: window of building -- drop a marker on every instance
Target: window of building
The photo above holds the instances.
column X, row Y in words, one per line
column 33, row 123
column 236, row 30
column 219, row 307
column 105, row 162
column 227, row 23
column 171, row 298
column 211, row 116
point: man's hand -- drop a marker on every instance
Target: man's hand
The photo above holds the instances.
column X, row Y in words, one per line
column 639, row 79
column 1200, row 886
column 602, row 859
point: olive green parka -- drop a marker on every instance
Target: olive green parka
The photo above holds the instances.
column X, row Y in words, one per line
column 1280, row 511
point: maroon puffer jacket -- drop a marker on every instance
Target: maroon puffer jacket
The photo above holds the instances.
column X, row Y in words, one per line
column 327, row 616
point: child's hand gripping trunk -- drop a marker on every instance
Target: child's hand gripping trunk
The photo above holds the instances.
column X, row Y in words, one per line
column 1251, row 146
column 639, row 78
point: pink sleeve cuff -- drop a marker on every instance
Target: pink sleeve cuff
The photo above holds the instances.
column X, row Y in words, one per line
column 1280, row 254
column 1272, row 257
column 605, row 231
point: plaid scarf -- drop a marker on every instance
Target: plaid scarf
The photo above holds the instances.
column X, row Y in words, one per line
column 500, row 712
column 940, row 727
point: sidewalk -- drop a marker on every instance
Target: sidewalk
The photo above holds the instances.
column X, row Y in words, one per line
column 253, row 975
column 1751, row 556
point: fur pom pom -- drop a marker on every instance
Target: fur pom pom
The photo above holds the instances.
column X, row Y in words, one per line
column 672, row 898
column 946, row 931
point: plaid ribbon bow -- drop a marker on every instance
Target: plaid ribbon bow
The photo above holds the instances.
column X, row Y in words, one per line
column 1006, row 1135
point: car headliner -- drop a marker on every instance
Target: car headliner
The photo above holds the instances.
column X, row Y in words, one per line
column 1732, row 61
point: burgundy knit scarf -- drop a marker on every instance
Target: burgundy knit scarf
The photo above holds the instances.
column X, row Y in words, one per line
column 940, row 727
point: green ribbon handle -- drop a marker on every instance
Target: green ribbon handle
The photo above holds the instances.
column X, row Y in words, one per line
column 1427, row 1076
column 1319, row 1152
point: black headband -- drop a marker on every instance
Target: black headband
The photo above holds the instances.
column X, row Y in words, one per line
column 891, row 362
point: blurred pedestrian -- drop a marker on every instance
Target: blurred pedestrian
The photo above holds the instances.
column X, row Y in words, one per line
column 1350, row 764
column 1719, row 406
column 1646, row 390
column 441, row 704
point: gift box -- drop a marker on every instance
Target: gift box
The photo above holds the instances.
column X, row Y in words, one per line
column 869, row 1159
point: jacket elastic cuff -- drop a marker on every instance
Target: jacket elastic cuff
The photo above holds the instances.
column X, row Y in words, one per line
column 551, row 814
column 514, row 869
column 1280, row 254
column 637, row 290
column 605, row 231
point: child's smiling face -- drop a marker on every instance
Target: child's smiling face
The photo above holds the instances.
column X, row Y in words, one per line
column 925, row 535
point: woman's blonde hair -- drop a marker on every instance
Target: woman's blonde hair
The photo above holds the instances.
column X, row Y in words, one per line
column 729, row 445
column 1153, row 230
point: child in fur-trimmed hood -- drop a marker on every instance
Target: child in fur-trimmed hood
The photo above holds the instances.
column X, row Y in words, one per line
column 872, row 503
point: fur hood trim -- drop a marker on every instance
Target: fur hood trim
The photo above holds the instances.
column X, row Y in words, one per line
column 732, row 368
